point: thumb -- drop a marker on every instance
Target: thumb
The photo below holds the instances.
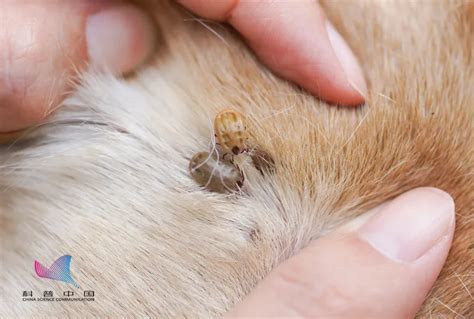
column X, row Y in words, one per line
column 381, row 265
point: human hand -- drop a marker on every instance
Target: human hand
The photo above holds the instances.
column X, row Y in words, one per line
column 43, row 44
column 296, row 41
column 381, row 265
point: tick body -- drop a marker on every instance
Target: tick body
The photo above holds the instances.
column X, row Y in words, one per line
column 231, row 131
column 215, row 174
column 262, row 161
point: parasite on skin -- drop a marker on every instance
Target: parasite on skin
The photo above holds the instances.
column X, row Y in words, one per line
column 215, row 174
column 217, row 171
column 231, row 131
column 262, row 160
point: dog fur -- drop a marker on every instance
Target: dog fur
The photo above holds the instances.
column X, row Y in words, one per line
column 105, row 178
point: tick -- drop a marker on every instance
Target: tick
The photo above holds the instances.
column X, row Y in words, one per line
column 231, row 131
column 215, row 174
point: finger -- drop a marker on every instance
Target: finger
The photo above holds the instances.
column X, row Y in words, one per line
column 296, row 41
column 380, row 266
column 44, row 43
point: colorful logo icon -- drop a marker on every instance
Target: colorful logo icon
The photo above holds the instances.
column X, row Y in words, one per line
column 59, row 270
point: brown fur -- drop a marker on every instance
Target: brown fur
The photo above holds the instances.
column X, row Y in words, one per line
column 107, row 180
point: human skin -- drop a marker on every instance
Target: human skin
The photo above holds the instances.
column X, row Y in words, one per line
column 44, row 44
column 380, row 265
column 39, row 59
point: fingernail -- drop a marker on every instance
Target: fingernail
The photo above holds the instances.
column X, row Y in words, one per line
column 119, row 38
column 411, row 224
column 347, row 60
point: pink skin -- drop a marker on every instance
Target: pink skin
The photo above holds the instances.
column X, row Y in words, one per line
column 382, row 263
column 296, row 41
column 43, row 45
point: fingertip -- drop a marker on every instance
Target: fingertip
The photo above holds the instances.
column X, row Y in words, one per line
column 39, row 59
column 119, row 38
column 294, row 40
column 357, row 90
column 410, row 225
column 384, row 264
column 216, row 10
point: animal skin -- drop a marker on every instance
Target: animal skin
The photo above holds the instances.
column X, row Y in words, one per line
column 105, row 179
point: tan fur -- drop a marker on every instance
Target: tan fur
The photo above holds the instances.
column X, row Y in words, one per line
column 106, row 179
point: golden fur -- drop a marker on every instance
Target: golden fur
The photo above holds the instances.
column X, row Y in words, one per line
column 105, row 179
